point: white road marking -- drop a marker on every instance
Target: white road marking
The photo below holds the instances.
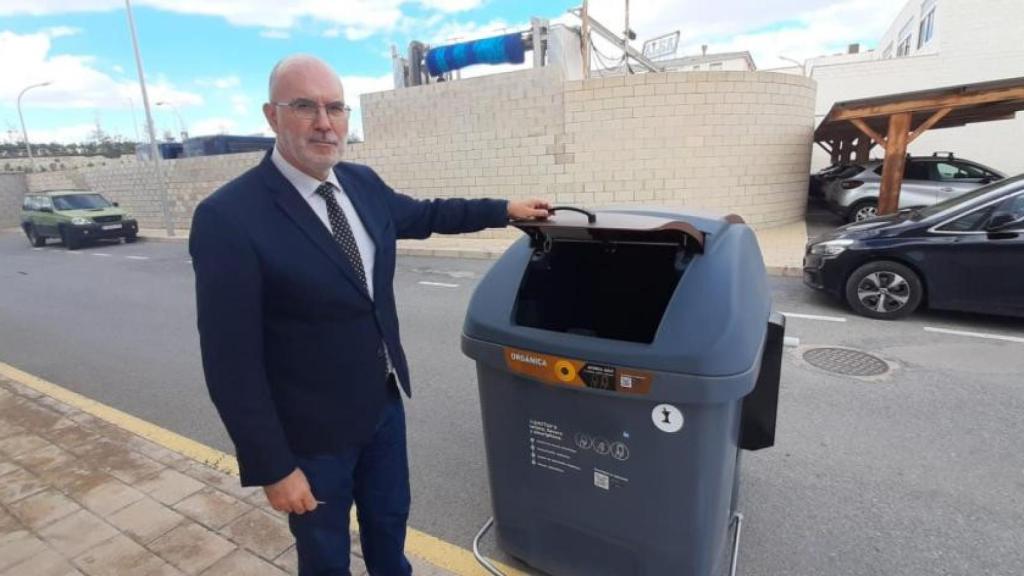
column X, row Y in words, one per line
column 975, row 334
column 100, row 254
column 188, row 261
column 137, row 257
column 814, row 317
column 441, row 284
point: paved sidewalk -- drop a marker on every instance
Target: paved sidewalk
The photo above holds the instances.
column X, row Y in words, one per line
column 79, row 495
column 782, row 246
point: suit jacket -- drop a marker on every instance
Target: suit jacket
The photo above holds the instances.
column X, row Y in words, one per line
column 292, row 343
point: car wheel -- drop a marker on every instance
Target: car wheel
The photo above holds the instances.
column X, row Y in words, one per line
column 863, row 210
column 34, row 236
column 884, row 290
column 69, row 242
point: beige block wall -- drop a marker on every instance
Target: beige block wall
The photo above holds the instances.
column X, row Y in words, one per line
column 717, row 141
column 12, row 189
column 137, row 187
column 495, row 136
column 723, row 141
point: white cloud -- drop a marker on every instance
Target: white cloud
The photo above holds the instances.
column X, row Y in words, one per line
column 356, row 86
column 453, row 32
column 242, row 104
column 797, row 29
column 355, row 34
column 210, row 126
column 76, row 82
column 59, row 31
column 451, row 5
column 63, row 134
column 275, row 34
column 222, row 83
column 117, row 68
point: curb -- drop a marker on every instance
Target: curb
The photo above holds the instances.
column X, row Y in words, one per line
column 432, row 550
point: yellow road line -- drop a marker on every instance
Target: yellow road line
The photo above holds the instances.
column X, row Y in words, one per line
column 434, row 550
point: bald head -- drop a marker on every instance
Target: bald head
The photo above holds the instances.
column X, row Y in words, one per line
column 304, row 108
column 292, row 68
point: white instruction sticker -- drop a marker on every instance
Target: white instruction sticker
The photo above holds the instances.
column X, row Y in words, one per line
column 667, row 418
column 600, row 480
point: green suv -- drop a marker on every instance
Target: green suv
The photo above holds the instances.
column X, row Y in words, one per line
column 74, row 216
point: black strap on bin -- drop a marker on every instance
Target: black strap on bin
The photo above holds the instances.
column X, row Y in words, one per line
column 760, row 407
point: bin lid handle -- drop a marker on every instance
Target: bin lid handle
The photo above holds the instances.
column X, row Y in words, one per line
column 591, row 217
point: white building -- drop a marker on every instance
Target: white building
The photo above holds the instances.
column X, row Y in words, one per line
column 932, row 44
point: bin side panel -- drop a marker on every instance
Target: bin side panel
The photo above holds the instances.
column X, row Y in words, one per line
column 584, row 483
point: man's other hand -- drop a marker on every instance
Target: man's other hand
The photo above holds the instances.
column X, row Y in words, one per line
column 532, row 209
column 291, row 494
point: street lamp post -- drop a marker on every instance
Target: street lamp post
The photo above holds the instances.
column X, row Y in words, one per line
column 802, row 65
column 24, row 132
column 154, row 151
column 135, row 122
column 181, row 122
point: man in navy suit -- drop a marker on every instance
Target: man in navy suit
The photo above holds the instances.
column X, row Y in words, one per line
column 294, row 263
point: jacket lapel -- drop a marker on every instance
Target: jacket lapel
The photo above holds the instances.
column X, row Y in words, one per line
column 291, row 202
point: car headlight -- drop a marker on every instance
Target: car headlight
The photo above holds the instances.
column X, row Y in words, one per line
column 830, row 247
column 80, row 221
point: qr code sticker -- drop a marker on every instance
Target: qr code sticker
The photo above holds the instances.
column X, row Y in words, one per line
column 601, row 480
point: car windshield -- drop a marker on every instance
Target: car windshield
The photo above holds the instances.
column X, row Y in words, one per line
column 80, row 202
column 963, row 199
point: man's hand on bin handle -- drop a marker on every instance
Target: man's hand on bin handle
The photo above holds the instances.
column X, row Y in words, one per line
column 532, row 209
column 291, row 494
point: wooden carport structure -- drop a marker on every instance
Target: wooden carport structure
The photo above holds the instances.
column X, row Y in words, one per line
column 851, row 129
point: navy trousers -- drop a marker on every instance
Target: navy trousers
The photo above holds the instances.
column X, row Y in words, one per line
column 376, row 477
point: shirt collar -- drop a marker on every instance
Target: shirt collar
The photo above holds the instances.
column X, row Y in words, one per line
column 304, row 183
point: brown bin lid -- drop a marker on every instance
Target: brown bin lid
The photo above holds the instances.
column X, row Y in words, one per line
column 614, row 227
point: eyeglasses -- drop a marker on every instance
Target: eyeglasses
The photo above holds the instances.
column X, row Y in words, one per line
column 308, row 110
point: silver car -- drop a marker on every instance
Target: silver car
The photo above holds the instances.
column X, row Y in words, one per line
column 926, row 180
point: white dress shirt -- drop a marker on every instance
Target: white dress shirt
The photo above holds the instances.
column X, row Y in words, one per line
column 307, row 185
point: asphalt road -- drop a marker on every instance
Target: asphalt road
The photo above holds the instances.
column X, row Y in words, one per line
column 918, row 472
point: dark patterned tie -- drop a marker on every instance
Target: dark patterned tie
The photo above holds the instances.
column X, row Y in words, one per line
column 340, row 229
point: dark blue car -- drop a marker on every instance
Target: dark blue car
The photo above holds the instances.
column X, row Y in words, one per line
column 965, row 253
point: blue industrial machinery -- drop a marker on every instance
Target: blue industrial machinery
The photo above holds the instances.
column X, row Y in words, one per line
column 496, row 50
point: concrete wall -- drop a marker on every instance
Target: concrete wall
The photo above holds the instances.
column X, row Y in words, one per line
column 137, row 187
column 975, row 41
column 722, row 141
column 725, row 141
column 12, row 188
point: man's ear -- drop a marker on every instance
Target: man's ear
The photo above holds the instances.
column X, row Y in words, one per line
column 270, row 113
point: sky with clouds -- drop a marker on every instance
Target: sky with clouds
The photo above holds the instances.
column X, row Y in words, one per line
column 207, row 60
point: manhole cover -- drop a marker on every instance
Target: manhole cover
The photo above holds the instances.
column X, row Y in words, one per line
column 846, row 362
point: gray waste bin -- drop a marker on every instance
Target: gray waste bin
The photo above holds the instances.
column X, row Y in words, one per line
column 616, row 360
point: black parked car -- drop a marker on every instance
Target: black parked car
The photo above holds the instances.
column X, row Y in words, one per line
column 965, row 253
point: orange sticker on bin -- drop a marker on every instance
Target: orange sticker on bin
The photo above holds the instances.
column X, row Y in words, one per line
column 557, row 371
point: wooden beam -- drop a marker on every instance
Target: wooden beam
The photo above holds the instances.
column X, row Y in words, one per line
column 864, row 146
column 863, row 127
column 835, row 150
column 824, row 147
column 939, row 115
column 895, row 162
column 847, row 155
column 935, row 103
